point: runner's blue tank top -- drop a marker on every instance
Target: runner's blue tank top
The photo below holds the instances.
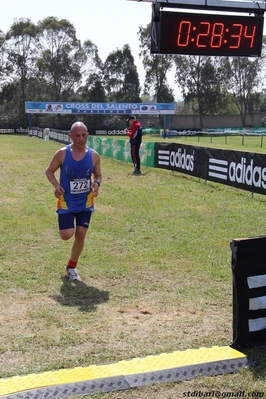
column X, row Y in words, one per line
column 75, row 178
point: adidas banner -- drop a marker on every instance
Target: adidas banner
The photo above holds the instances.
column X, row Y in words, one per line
column 243, row 170
column 249, row 292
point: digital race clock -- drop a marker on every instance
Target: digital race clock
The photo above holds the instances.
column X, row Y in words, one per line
column 207, row 34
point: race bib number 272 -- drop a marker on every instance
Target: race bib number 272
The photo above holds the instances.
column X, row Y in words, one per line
column 78, row 186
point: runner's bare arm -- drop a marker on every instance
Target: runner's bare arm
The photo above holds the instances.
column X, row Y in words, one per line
column 54, row 165
column 97, row 174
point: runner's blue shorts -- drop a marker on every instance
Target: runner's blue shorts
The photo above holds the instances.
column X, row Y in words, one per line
column 67, row 220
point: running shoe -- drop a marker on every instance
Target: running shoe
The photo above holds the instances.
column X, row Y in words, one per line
column 72, row 274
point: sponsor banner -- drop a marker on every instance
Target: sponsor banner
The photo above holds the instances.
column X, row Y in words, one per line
column 59, row 135
column 242, row 170
column 185, row 159
column 116, row 132
column 37, row 132
column 120, row 149
column 249, row 292
column 8, row 131
column 236, row 131
column 101, row 132
column 185, row 132
column 99, row 108
column 109, row 147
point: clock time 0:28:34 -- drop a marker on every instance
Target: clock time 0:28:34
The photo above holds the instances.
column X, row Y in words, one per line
column 199, row 34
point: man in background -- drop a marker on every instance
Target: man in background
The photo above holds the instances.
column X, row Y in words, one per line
column 135, row 135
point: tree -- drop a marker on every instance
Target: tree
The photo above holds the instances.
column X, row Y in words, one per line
column 121, row 77
column 60, row 59
column 5, row 65
column 21, row 55
column 200, row 83
column 263, row 101
column 94, row 64
column 156, row 66
column 242, row 78
column 93, row 90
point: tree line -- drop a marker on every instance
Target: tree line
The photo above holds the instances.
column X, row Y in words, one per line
column 47, row 62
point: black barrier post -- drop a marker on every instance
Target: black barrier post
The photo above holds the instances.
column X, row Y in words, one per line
column 250, row 195
column 261, row 141
column 249, row 292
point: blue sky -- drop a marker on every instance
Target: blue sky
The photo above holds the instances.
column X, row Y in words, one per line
column 109, row 24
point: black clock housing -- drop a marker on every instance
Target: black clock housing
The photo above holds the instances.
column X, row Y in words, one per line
column 207, row 34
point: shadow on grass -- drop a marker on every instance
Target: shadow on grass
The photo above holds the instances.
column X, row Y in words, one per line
column 77, row 293
column 257, row 359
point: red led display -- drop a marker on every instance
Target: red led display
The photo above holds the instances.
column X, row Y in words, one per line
column 208, row 34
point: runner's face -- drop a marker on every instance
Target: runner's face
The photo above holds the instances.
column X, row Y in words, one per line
column 79, row 138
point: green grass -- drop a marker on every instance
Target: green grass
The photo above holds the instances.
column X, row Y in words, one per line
column 156, row 270
column 250, row 143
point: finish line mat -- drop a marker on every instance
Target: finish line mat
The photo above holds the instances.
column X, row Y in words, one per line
column 126, row 374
